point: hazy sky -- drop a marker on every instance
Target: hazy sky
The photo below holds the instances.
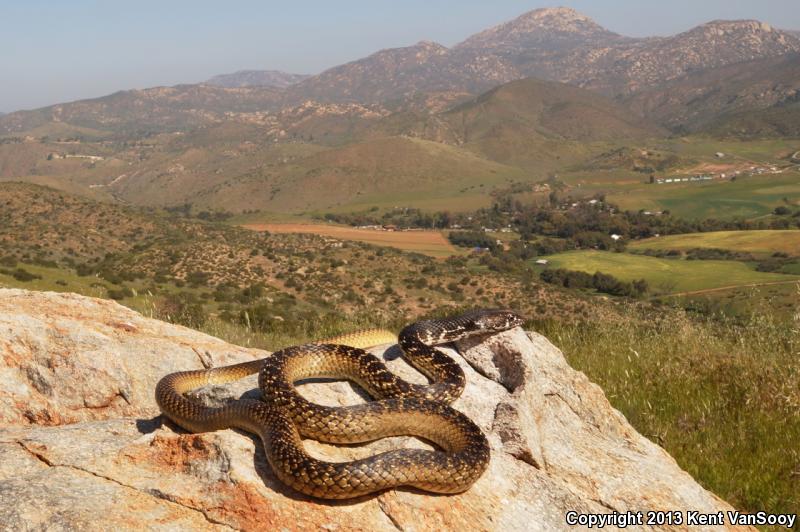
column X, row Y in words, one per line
column 57, row 51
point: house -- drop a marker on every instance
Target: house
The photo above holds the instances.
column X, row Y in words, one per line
column 542, row 262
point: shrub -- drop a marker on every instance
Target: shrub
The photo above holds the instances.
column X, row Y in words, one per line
column 23, row 275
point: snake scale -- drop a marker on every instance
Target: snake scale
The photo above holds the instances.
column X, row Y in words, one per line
column 401, row 408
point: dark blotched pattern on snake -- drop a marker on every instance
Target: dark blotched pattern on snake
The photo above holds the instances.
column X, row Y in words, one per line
column 401, row 408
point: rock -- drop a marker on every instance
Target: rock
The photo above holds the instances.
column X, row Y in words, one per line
column 82, row 445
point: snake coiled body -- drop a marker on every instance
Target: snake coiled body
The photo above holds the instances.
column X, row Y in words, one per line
column 402, row 408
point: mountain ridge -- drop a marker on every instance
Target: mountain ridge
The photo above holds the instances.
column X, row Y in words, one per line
column 256, row 78
column 706, row 99
column 555, row 44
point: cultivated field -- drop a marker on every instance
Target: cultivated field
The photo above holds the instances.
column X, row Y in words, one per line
column 747, row 197
column 667, row 276
column 766, row 241
column 432, row 243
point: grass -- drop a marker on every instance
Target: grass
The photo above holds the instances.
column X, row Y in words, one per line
column 781, row 299
column 720, row 397
column 747, row 197
column 762, row 151
column 666, row 275
column 56, row 280
column 767, row 241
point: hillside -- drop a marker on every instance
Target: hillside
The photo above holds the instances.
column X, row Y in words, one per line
column 318, row 156
column 782, row 120
column 447, row 159
column 711, row 45
column 721, row 99
column 523, row 111
column 163, row 262
column 256, row 78
column 386, row 171
column 140, row 112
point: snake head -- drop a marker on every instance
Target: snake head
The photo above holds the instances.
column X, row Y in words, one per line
column 496, row 320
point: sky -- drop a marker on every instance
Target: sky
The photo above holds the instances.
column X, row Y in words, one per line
column 58, row 51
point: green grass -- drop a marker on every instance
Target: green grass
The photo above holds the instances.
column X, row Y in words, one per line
column 721, row 398
column 767, row 241
column 56, row 280
column 665, row 275
column 780, row 299
column 747, row 197
column 764, row 150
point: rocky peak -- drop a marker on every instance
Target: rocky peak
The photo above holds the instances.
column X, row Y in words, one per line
column 711, row 45
column 721, row 27
column 540, row 26
column 761, row 38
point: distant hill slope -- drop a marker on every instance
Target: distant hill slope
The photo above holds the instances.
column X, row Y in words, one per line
column 256, row 78
column 158, row 254
column 781, row 120
column 137, row 112
column 342, row 156
column 548, row 109
column 756, row 97
column 390, row 170
column 526, row 123
column 405, row 158
column 652, row 62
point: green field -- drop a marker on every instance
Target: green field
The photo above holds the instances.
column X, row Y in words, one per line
column 767, row 241
column 747, row 197
column 666, row 276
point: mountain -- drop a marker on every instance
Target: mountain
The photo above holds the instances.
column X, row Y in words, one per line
column 256, row 78
column 397, row 73
column 710, row 45
column 328, row 156
column 385, row 171
column 545, row 29
column 556, row 44
column 546, row 109
column 524, row 47
column 137, row 112
column 525, row 122
column 768, row 88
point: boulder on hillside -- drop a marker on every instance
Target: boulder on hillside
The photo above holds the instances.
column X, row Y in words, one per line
column 82, row 444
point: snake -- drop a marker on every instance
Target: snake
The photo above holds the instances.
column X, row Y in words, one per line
column 283, row 417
